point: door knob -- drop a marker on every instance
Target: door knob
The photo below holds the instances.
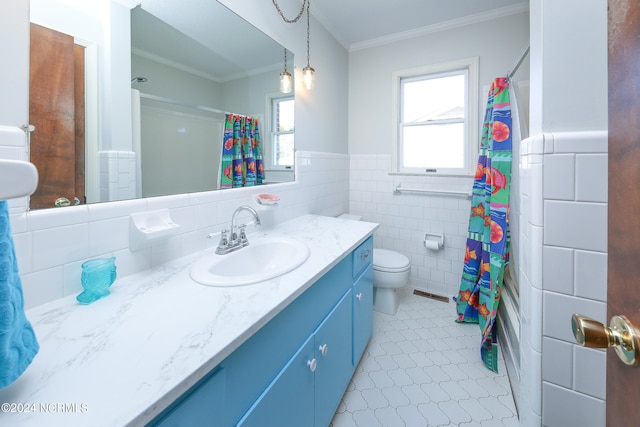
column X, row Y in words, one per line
column 621, row 335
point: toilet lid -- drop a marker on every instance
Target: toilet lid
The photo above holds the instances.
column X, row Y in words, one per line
column 389, row 261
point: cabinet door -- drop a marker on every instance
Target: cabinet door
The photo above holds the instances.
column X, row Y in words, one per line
column 333, row 348
column 202, row 406
column 362, row 313
column 288, row 401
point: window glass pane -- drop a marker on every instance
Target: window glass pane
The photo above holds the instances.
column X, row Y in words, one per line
column 283, row 149
column 433, row 146
column 284, row 118
column 433, row 99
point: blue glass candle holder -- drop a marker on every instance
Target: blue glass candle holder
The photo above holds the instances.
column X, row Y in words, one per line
column 97, row 276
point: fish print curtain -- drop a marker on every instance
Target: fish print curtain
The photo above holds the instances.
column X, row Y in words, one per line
column 487, row 250
column 241, row 153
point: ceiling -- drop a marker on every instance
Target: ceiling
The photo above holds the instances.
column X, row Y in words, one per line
column 360, row 23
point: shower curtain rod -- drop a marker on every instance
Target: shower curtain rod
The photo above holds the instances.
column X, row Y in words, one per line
column 182, row 104
column 515, row 67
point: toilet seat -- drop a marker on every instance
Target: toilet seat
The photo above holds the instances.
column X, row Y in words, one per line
column 390, row 261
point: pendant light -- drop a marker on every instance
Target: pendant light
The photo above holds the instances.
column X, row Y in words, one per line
column 286, row 81
column 308, row 73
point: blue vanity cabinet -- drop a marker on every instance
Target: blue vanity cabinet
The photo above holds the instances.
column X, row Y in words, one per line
column 295, row 369
column 309, row 388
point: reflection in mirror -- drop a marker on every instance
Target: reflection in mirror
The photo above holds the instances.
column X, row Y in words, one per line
column 122, row 114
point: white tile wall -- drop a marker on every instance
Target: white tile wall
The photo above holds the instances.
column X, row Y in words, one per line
column 51, row 244
column 570, row 171
column 404, row 219
column 117, row 175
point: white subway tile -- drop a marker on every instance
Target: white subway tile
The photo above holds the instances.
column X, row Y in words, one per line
column 557, row 362
column 72, row 277
column 563, row 407
column 42, row 286
column 101, row 211
column 559, row 173
column 576, row 225
column 591, row 275
column 558, row 309
column 42, row 219
column 108, row 235
column 534, row 326
column 558, row 269
column 591, row 178
column 57, row 246
column 589, row 371
column 24, row 251
column 536, row 188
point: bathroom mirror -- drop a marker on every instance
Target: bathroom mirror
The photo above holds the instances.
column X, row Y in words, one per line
column 141, row 96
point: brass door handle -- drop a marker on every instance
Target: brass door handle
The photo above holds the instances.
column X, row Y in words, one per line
column 621, row 335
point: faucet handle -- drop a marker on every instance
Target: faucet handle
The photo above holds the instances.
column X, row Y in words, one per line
column 224, row 240
column 243, row 234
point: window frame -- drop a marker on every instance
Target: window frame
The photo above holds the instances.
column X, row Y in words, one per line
column 270, row 153
column 471, row 131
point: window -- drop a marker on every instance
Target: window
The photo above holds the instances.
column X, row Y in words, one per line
column 282, row 133
column 435, row 118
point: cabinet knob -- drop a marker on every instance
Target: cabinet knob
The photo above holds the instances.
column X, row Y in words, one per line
column 312, row 364
column 324, row 349
column 359, row 296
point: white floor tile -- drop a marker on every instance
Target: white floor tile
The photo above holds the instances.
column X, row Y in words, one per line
column 421, row 369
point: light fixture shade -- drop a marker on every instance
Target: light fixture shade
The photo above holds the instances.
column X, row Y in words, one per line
column 308, row 77
column 286, row 82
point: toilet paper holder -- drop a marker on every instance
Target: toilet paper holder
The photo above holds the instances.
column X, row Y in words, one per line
column 434, row 241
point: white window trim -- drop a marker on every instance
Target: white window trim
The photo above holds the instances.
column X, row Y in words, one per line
column 268, row 132
column 471, row 64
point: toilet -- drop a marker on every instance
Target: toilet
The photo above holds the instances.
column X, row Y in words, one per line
column 391, row 272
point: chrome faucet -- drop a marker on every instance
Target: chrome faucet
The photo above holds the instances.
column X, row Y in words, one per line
column 238, row 237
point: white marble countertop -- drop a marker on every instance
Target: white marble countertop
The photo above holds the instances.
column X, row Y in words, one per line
column 123, row 359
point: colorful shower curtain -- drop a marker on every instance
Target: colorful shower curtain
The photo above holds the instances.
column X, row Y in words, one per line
column 487, row 251
column 241, row 153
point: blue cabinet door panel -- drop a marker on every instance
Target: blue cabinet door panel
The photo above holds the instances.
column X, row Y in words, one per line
column 202, row 406
column 288, row 401
column 334, row 361
column 362, row 313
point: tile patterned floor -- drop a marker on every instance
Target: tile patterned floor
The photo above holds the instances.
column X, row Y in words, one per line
column 421, row 369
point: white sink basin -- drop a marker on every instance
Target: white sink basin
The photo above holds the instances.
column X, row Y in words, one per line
column 264, row 259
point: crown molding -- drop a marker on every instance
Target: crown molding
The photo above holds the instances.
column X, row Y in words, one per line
column 442, row 26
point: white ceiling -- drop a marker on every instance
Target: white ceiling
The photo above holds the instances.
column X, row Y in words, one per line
column 358, row 23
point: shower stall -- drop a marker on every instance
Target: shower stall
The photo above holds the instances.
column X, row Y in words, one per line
column 177, row 146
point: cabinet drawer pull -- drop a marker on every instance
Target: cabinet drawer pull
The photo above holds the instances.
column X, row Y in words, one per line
column 324, row 349
column 365, row 254
column 312, row 364
column 359, row 296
